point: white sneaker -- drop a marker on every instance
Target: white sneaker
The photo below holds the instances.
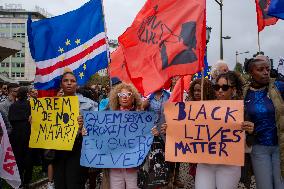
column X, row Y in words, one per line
column 50, row 185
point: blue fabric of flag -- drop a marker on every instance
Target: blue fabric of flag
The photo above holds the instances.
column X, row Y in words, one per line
column 53, row 37
column 207, row 71
column 276, row 9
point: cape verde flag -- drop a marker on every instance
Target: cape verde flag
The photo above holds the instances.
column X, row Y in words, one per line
column 76, row 40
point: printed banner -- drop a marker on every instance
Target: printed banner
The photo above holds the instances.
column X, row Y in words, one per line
column 9, row 169
column 116, row 139
column 54, row 122
column 205, row 132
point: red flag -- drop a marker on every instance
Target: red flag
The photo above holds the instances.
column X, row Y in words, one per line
column 117, row 66
column 166, row 39
column 181, row 85
column 263, row 19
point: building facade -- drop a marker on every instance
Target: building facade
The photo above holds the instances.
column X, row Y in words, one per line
column 13, row 25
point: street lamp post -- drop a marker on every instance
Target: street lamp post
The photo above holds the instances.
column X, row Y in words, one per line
column 220, row 3
column 239, row 53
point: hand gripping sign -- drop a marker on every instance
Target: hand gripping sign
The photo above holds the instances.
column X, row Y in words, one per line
column 54, row 122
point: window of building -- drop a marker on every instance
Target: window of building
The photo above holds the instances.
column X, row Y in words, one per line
column 22, row 65
column 18, row 65
column 4, row 25
column 18, row 35
column 5, row 64
column 18, row 74
column 23, row 45
column 19, row 55
column 4, row 35
column 13, row 74
column 22, row 74
column 21, row 16
column 18, row 25
column 6, row 16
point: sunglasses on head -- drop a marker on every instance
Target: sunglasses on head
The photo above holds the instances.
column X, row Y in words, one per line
column 129, row 94
column 223, row 87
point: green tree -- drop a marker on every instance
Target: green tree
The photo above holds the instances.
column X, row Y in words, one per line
column 97, row 79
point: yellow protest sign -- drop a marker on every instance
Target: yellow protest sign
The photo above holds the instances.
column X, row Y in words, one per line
column 54, row 122
column 205, row 132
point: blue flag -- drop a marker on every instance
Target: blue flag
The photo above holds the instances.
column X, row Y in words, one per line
column 75, row 40
column 276, row 9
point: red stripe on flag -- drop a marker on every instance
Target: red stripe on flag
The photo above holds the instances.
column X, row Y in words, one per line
column 71, row 60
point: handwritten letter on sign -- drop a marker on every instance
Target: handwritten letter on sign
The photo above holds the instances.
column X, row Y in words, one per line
column 116, row 139
column 54, row 122
column 205, row 132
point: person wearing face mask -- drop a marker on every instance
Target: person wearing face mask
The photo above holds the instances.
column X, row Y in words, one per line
column 265, row 108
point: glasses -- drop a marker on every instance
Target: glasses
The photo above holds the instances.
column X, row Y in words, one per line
column 121, row 95
column 223, row 87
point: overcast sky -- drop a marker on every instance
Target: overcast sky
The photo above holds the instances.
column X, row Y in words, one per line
column 239, row 22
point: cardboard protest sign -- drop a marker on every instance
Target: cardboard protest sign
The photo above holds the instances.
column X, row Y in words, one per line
column 116, row 139
column 54, row 122
column 205, row 132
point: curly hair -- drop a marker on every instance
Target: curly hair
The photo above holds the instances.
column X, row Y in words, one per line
column 236, row 81
column 113, row 98
column 208, row 91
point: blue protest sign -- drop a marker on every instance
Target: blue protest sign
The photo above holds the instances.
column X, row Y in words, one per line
column 116, row 139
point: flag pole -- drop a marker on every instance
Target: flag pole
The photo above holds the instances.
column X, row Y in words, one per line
column 258, row 42
column 103, row 10
column 202, row 83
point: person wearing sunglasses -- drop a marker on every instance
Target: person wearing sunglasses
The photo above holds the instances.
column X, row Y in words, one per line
column 265, row 108
column 228, row 87
column 123, row 97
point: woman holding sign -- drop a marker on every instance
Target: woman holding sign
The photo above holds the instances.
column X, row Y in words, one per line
column 228, row 87
column 68, row 174
column 264, row 106
column 123, row 97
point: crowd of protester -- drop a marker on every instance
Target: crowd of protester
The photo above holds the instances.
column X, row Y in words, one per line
column 263, row 125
